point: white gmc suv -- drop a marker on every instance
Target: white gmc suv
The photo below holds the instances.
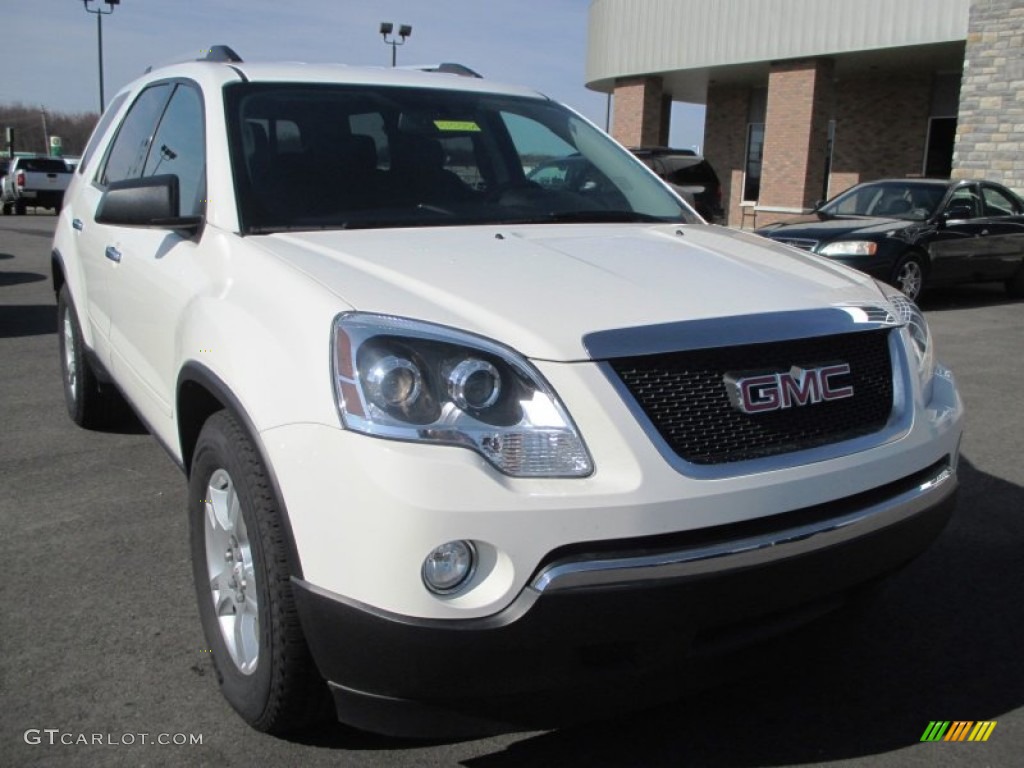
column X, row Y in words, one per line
column 467, row 453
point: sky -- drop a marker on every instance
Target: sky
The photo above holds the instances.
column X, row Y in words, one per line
column 50, row 46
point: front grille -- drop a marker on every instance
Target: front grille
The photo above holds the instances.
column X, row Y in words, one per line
column 684, row 395
column 798, row 242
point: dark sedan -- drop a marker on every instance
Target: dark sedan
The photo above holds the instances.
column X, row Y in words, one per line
column 913, row 233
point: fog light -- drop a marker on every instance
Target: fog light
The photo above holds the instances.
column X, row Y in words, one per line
column 449, row 566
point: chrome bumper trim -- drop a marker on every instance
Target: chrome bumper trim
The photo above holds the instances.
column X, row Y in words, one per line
column 753, row 551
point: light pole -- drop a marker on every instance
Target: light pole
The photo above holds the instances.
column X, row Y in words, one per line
column 100, row 13
column 386, row 28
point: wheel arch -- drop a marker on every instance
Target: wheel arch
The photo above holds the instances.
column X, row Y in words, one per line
column 199, row 394
column 915, row 252
column 57, row 276
column 66, row 271
column 921, row 252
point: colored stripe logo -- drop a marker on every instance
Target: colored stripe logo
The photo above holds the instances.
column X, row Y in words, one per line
column 958, row 730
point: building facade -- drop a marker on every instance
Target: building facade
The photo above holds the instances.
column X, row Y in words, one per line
column 807, row 97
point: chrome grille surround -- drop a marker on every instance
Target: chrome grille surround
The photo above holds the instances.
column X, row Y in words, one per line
column 608, row 346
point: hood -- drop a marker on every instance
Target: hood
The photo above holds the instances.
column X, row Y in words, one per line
column 826, row 229
column 541, row 288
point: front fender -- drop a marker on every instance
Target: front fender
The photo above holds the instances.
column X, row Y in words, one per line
column 194, row 409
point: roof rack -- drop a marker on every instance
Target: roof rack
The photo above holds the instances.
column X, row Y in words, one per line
column 447, row 67
column 219, row 53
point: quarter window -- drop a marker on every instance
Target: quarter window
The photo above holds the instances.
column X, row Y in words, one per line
column 100, row 129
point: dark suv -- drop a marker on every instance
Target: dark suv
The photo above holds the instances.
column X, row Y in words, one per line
column 690, row 174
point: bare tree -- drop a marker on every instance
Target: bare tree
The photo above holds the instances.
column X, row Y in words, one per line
column 33, row 127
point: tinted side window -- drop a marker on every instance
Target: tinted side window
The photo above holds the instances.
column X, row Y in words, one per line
column 997, row 203
column 127, row 155
column 964, row 201
column 178, row 148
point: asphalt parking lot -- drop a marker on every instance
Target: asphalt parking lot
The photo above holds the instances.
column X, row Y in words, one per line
column 100, row 641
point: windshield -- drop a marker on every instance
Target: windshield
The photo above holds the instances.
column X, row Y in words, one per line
column 913, row 201
column 340, row 157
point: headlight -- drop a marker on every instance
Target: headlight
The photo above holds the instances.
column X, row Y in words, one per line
column 920, row 336
column 407, row 380
column 850, row 248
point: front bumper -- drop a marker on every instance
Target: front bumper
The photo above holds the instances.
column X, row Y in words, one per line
column 605, row 623
column 365, row 512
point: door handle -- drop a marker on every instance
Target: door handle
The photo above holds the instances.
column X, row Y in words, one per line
column 77, row 224
column 113, row 254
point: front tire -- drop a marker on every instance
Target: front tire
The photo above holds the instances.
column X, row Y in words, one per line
column 908, row 275
column 242, row 570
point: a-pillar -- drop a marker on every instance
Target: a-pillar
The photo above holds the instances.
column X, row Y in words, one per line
column 800, row 105
column 641, row 112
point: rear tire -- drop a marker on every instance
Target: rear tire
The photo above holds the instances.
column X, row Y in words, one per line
column 20, row 208
column 89, row 405
column 242, row 571
column 908, row 275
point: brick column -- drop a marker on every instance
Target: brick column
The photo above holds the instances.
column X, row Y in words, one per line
column 725, row 144
column 638, row 118
column 800, row 104
column 990, row 127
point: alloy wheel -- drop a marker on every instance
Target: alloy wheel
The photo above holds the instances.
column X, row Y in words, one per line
column 910, row 278
column 231, row 572
column 70, row 357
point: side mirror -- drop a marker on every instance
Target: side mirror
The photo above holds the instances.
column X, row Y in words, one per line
column 150, row 201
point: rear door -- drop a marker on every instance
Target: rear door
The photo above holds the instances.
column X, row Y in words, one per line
column 960, row 246
column 1004, row 225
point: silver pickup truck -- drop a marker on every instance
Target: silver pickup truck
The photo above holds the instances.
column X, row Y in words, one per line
column 35, row 181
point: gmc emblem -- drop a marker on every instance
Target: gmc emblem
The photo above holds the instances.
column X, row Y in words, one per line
column 761, row 392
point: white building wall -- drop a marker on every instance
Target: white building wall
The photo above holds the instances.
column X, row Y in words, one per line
column 635, row 37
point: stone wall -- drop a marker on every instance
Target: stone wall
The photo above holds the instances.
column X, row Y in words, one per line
column 990, row 127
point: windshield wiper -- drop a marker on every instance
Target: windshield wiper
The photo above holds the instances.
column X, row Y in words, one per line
column 560, row 217
column 270, row 229
column 595, row 217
